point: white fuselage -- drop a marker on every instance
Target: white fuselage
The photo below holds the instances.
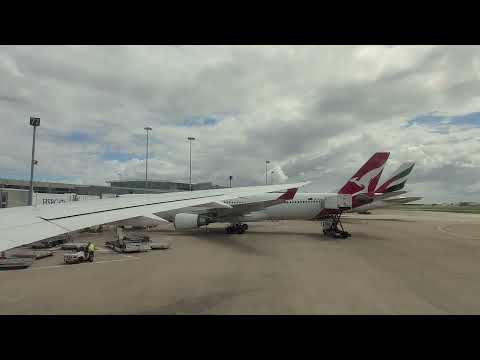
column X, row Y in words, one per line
column 304, row 206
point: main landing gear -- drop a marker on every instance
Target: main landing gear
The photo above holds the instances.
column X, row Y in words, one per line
column 330, row 228
column 236, row 228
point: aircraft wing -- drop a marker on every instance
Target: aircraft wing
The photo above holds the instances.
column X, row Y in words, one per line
column 27, row 224
column 221, row 210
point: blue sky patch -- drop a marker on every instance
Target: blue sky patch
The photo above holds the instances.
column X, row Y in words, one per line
column 468, row 119
column 79, row 137
column 201, row 121
column 117, row 155
column 61, row 179
column 435, row 121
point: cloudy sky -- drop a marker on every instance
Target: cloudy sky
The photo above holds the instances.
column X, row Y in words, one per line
column 317, row 112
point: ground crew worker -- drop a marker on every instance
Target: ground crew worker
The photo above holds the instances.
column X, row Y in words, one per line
column 91, row 251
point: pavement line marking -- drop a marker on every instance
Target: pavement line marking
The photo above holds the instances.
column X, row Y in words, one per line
column 441, row 228
column 43, row 267
column 67, row 265
column 129, row 256
column 107, row 261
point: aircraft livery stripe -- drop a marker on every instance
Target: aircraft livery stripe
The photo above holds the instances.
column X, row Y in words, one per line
column 395, row 187
column 397, row 177
column 402, row 174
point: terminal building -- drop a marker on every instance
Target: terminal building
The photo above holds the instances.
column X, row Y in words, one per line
column 15, row 192
column 160, row 186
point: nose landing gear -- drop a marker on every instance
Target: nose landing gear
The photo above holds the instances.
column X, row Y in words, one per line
column 236, row 228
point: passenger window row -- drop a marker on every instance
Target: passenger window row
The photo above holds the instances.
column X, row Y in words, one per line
column 288, row 201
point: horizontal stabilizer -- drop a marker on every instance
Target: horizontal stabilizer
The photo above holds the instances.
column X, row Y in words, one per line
column 403, row 200
column 379, row 196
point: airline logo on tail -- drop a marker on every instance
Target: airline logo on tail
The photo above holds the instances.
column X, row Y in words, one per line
column 366, row 179
column 397, row 179
column 364, row 182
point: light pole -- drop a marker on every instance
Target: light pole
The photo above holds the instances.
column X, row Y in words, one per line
column 271, row 177
column 34, row 121
column 230, row 178
column 190, row 139
column 147, row 129
column 266, row 171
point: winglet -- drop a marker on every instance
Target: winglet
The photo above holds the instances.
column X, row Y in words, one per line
column 289, row 194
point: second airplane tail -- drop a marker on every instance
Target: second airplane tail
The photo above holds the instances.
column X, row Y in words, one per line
column 397, row 180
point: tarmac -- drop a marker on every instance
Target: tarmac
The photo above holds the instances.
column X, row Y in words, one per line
column 396, row 262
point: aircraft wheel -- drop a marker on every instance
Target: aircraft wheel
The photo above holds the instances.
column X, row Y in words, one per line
column 244, row 227
column 240, row 230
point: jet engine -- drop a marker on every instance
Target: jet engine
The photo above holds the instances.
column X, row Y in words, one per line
column 185, row 221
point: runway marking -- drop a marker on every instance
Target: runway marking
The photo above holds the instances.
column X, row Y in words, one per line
column 118, row 260
column 442, row 229
column 44, row 267
column 128, row 258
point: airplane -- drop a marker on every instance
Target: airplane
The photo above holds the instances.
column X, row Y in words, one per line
column 388, row 193
column 360, row 187
column 28, row 224
column 356, row 195
column 302, row 206
column 312, row 206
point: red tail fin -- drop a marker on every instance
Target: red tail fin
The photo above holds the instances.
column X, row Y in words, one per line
column 366, row 179
column 290, row 194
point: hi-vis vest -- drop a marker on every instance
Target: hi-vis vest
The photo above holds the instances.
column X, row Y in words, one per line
column 91, row 247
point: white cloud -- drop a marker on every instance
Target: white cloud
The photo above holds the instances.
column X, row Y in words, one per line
column 318, row 112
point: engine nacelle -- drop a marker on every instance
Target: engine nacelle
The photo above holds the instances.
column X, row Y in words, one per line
column 185, row 221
